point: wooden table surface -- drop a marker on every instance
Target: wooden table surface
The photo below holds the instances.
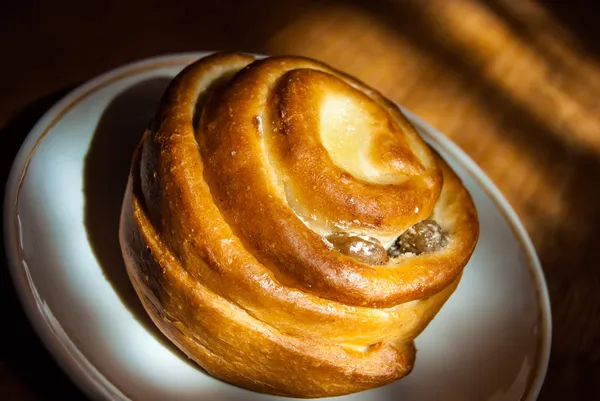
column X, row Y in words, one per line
column 516, row 84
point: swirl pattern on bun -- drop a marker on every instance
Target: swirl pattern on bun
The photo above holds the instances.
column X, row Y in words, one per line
column 288, row 229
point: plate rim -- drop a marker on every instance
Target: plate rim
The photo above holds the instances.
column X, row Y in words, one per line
column 65, row 352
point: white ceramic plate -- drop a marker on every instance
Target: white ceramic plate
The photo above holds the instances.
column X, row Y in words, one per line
column 491, row 341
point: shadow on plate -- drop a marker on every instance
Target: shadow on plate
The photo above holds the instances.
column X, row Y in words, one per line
column 106, row 171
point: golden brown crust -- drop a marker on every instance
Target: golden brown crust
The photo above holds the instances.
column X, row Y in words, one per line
column 232, row 193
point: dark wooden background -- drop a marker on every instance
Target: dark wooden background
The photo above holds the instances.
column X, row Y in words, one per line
column 514, row 83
